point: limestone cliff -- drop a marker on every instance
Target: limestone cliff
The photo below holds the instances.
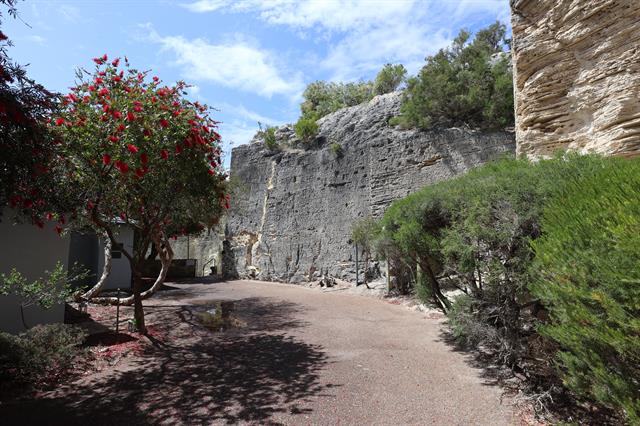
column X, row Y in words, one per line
column 577, row 75
column 293, row 217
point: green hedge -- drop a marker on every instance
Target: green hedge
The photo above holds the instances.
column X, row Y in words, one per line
column 588, row 264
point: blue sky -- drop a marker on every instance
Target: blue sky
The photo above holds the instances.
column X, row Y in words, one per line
column 250, row 59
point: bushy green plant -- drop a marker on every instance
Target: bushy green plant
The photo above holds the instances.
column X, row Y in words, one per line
column 588, row 264
column 268, row 135
column 40, row 355
column 389, row 79
column 473, row 233
column 306, row 129
column 469, row 83
column 53, row 288
column 322, row 98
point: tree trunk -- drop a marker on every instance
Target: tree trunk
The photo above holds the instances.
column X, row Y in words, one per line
column 439, row 298
column 166, row 255
column 138, row 312
column 95, row 290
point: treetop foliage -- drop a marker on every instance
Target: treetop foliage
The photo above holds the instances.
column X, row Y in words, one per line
column 469, row 83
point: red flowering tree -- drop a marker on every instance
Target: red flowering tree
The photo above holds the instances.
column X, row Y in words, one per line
column 25, row 146
column 131, row 150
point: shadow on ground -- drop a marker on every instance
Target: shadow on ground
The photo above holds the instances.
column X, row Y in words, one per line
column 247, row 376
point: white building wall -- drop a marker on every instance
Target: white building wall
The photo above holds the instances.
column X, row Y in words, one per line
column 120, row 276
column 32, row 251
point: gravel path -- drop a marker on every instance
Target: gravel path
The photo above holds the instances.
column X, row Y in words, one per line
column 304, row 357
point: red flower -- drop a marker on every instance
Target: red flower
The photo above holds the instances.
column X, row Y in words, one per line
column 178, row 149
column 144, row 158
column 59, row 121
column 92, row 88
column 104, row 91
column 113, row 138
column 117, row 115
column 139, row 172
column 132, row 148
column 40, row 224
column 105, row 107
column 98, row 80
column 164, row 154
column 164, row 123
column 121, row 127
column 130, row 116
column 122, row 166
column 58, row 229
column 116, row 79
column 72, row 97
column 176, row 113
column 156, row 79
column 106, row 159
column 137, row 108
column 146, row 132
column 104, row 58
column 49, row 216
column 27, row 204
column 211, row 172
column 90, row 205
column 115, row 62
column 98, row 61
column 86, row 99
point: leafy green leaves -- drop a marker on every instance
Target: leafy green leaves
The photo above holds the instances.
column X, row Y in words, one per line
column 588, row 269
column 53, row 288
column 466, row 84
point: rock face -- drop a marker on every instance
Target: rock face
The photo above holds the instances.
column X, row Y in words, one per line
column 577, row 76
column 293, row 217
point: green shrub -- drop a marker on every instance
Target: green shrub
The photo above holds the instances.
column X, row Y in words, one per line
column 469, row 83
column 389, row 79
column 473, row 233
column 53, row 288
column 40, row 355
column 306, row 129
column 588, row 264
column 268, row 135
column 322, row 98
column 336, row 148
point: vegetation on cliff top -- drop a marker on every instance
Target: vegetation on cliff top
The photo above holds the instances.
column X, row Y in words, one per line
column 467, row 84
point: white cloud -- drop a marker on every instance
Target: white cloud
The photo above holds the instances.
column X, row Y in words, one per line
column 237, row 64
column 330, row 14
column 37, row 39
column 354, row 56
column 365, row 34
column 246, row 114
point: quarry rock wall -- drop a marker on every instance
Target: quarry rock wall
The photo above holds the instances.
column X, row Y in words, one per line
column 292, row 218
column 577, row 76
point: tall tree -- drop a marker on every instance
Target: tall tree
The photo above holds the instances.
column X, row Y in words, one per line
column 131, row 150
column 24, row 141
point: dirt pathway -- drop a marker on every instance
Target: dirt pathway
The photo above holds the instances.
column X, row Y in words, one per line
column 304, row 357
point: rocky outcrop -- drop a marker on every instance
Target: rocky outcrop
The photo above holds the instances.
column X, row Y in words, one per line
column 577, row 76
column 292, row 218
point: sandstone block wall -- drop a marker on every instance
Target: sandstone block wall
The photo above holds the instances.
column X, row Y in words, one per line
column 293, row 217
column 577, row 76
